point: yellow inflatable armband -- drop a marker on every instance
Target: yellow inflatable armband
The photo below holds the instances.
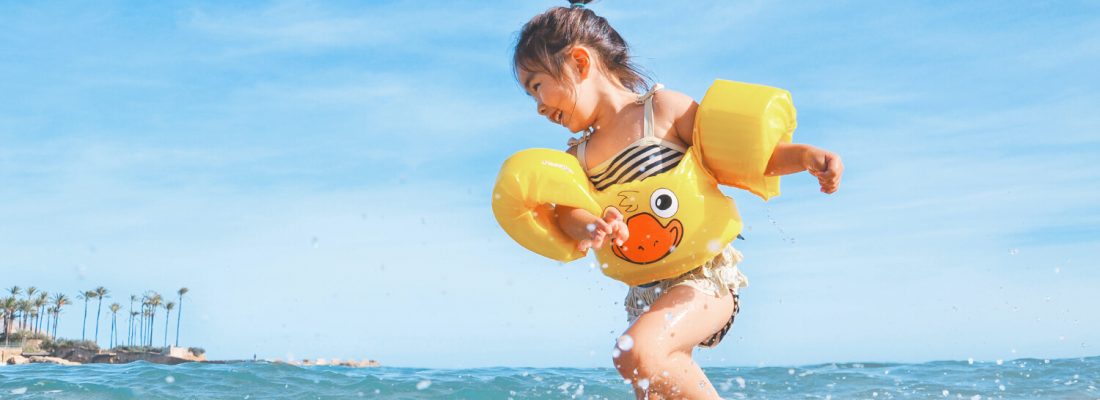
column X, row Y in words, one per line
column 737, row 126
column 529, row 185
column 679, row 219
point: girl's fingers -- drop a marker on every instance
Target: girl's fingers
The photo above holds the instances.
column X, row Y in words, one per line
column 612, row 214
column 620, row 232
column 597, row 242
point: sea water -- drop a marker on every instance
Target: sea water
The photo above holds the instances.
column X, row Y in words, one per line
column 1076, row 378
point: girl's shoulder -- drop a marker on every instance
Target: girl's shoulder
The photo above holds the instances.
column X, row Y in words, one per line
column 676, row 109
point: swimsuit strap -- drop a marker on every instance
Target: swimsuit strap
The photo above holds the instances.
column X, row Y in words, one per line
column 580, row 153
column 647, row 99
column 647, row 125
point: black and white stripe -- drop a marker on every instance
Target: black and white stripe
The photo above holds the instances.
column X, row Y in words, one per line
column 637, row 163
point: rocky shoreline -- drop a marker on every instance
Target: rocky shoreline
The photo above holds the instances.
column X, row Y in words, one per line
column 166, row 356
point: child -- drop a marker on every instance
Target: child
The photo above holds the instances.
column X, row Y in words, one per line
column 578, row 70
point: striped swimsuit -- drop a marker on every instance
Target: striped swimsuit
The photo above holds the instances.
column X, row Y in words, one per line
column 646, row 157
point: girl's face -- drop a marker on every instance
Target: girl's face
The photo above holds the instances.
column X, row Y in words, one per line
column 562, row 101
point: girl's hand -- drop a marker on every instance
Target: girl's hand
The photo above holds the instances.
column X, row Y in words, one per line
column 826, row 166
column 610, row 227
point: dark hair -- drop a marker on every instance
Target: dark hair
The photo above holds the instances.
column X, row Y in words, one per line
column 545, row 37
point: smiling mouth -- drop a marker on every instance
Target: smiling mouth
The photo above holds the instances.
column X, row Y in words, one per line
column 558, row 118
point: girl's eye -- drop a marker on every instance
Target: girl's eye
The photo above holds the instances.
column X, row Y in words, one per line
column 536, row 87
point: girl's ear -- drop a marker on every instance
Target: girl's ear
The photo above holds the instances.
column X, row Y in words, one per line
column 580, row 56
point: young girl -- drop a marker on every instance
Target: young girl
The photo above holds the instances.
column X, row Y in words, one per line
column 578, row 70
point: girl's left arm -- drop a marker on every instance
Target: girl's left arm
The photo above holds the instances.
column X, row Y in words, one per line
column 789, row 158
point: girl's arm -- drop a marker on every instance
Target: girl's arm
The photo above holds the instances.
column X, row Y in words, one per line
column 589, row 230
column 786, row 159
column 789, row 158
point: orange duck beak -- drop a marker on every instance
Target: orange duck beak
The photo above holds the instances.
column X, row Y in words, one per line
column 649, row 240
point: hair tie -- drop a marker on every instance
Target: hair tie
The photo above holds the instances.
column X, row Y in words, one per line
column 576, row 5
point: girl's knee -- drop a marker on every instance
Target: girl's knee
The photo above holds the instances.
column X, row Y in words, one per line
column 643, row 357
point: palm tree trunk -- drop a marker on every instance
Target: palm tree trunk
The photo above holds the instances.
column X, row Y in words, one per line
column 152, row 320
column 178, row 315
column 114, row 318
column 85, row 324
column 97, row 310
column 141, row 318
column 166, row 319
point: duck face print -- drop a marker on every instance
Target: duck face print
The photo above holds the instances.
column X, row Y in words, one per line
column 650, row 239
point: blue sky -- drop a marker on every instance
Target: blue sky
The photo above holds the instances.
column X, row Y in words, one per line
column 319, row 176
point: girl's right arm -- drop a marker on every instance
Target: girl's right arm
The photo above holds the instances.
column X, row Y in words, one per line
column 589, row 230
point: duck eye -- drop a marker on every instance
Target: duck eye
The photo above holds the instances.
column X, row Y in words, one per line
column 663, row 203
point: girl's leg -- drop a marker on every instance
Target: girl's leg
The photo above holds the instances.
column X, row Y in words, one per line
column 659, row 362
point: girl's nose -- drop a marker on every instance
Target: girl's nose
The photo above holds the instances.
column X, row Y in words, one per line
column 542, row 109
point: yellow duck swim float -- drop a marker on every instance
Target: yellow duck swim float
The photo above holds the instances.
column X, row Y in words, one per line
column 678, row 220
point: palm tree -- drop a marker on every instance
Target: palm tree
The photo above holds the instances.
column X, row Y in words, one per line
column 15, row 291
column 59, row 300
column 168, row 307
column 41, row 302
column 155, row 300
column 130, row 325
column 146, row 339
column 87, row 295
column 144, row 316
column 49, row 313
column 133, row 334
column 179, row 314
column 8, row 304
column 25, row 307
column 30, row 299
column 114, row 317
column 100, row 293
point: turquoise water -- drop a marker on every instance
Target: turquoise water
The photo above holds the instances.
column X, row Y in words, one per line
column 1077, row 378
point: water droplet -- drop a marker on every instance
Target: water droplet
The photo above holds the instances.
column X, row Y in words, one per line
column 1002, row 387
column 790, row 371
column 970, row 360
column 945, row 393
column 1000, row 361
column 169, row 379
column 714, row 245
column 1014, row 251
column 643, row 383
column 615, row 353
column 590, row 227
column 625, row 343
column 423, row 384
column 740, row 382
